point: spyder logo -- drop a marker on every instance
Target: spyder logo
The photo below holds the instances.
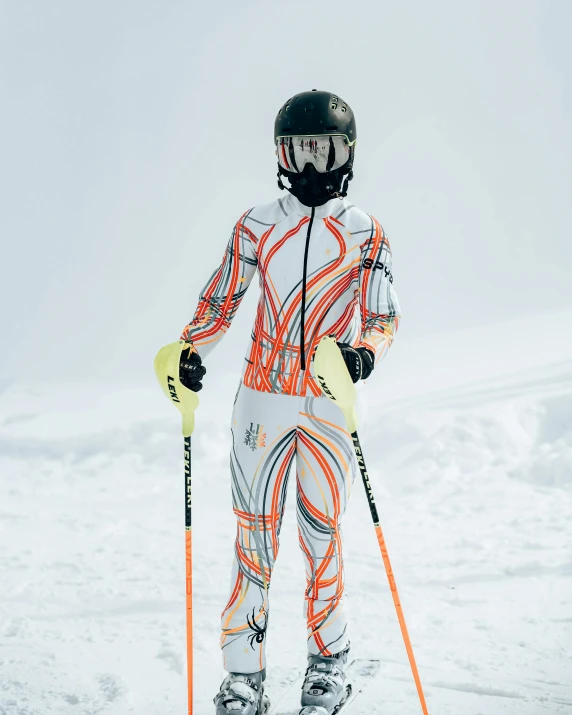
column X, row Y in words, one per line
column 370, row 263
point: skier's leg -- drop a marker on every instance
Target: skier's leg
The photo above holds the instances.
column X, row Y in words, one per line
column 263, row 448
column 326, row 470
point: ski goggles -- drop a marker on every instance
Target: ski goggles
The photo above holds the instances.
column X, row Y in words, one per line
column 325, row 152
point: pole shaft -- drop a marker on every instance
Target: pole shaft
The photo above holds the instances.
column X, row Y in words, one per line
column 189, row 572
column 389, row 571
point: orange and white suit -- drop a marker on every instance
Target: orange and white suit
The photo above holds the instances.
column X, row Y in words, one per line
column 322, row 271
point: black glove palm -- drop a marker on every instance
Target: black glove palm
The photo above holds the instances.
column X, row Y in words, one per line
column 191, row 369
column 359, row 361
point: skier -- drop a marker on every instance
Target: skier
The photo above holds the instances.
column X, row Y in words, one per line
column 324, row 268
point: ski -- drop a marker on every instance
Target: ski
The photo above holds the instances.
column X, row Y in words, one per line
column 359, row 673
column 367, row 669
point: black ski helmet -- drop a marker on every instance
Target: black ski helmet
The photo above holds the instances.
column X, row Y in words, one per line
column 315, row 113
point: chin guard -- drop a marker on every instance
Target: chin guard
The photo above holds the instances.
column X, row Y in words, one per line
column 167, row 372
column 317, row 189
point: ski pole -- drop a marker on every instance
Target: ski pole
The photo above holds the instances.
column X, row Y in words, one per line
column 186, row 401
column 336, row 383
column 388, row 569
column 189, row 572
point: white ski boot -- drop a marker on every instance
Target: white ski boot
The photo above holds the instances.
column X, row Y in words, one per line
column 242, row 694
column 324, row 691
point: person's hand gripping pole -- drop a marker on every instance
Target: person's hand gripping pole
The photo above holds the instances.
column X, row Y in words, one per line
column 172, row 362
column 331, row 372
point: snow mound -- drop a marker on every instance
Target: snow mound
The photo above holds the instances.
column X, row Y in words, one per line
column 549, row 461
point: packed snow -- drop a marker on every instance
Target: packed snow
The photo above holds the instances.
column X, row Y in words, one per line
column 468, row 440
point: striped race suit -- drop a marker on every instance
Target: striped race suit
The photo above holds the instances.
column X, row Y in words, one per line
column 322, row 271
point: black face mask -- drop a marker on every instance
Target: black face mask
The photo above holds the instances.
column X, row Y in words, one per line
column 314, row 189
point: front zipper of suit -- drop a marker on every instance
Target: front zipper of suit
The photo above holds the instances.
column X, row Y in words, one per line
column 303, row 314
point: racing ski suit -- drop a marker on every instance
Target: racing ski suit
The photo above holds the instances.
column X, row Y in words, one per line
column 322, row 270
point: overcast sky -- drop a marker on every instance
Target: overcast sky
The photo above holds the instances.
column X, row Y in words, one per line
column 134, row 134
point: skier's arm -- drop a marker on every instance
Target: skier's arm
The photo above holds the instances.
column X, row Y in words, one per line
column 379, row 305
column 221, row 296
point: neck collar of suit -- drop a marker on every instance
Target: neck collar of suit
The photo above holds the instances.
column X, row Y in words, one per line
column 331, row 208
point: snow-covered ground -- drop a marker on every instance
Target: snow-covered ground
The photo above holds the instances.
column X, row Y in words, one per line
column 468, row 440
